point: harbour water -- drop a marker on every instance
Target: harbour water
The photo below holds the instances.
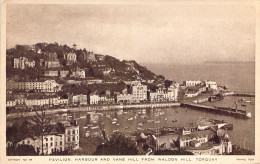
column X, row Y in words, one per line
column 129, row 121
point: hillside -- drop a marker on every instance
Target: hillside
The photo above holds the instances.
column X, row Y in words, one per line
column 99, row 66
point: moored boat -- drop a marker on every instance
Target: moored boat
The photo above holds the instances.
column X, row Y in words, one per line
column 130, row 119
column 139, row 129
column 114, row 131
column 161, row 113
column 94, row 127
column 87, row 134
column 175, row 120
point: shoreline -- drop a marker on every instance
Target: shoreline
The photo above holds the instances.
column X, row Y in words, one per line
column 107, row 107
column 95, row 108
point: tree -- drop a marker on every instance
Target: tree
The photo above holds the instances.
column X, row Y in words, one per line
column 23, row 150
column 15, row 134
column 90, row 72
column 118, row 145
column 167, row 83
column 20, row 48
column 41, row 125
column 161, row 77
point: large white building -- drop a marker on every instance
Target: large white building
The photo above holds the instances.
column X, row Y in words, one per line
column 78, row 73
column 64, row 73
column 79, row 99
column 139, row 92
column 125, row 98
column 51, row 73
column 51, row 60
column 52, row 142
column 36, row 101
column 173, row 92
column 23, row 62
column 93, row 98
column 38, row 86
column 211, row 84
column 160, row 95
column 71, row 135
column 70, row 57
column 163, row 94
column 190, row 83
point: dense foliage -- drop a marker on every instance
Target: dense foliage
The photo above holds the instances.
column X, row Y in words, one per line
column 118, row 145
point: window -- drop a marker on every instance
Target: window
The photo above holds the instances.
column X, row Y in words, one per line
column 28, row 142
column 60, row 142
column 46, row 139
column 73, row 132
column 56, row 143
column 68, row 139
column 51, row 144
column 60, row 148
column 68, row 132
column 46, row 144
column 77, row 138
column 73, row 139
column 51, row 138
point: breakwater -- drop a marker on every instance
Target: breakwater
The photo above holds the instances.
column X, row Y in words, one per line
column 244, row 95
column 219, row 110
column 95, row 108
column 233, row 93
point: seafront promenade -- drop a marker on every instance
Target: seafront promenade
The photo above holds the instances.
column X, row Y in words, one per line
column 95, row 108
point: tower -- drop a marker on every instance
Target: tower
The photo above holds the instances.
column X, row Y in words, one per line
column 74, row 46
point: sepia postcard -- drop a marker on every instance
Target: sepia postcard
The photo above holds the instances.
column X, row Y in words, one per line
column 129, row 81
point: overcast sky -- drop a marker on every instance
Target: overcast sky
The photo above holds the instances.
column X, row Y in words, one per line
column 147, row 34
